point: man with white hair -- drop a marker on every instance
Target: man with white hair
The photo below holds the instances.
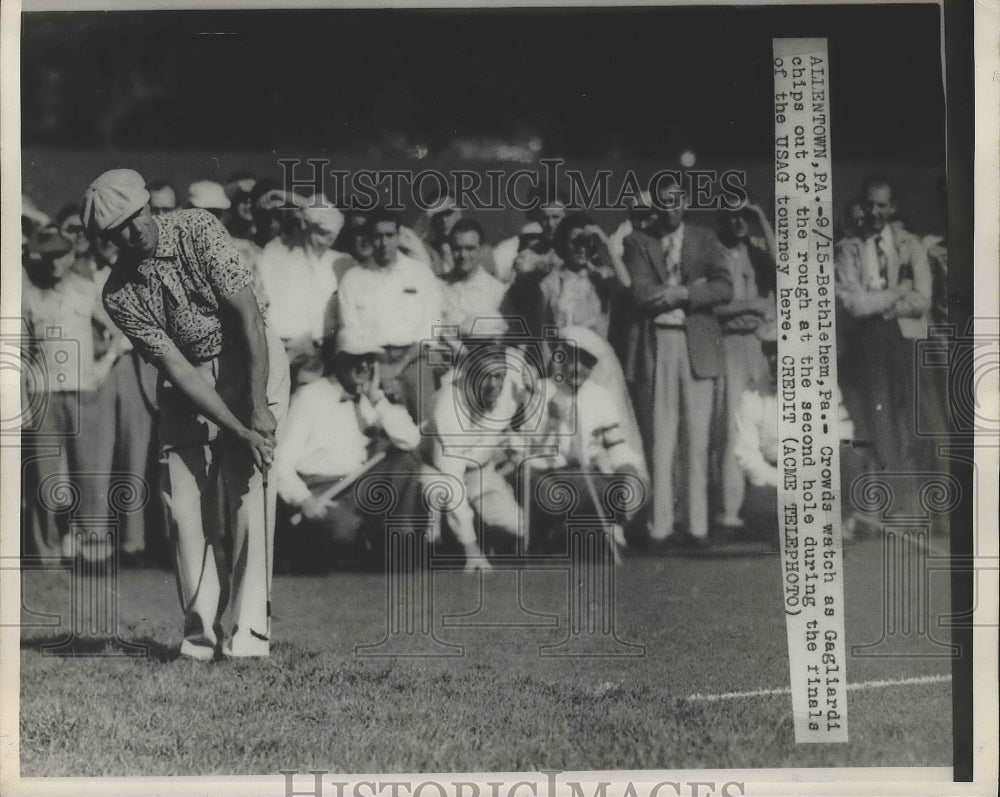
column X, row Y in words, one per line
column 179, row 292
column 298, row 280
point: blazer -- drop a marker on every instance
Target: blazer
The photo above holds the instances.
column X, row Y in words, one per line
column 857, row 301
column 709, row 283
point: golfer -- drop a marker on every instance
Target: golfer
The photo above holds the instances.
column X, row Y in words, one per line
column 181, row 295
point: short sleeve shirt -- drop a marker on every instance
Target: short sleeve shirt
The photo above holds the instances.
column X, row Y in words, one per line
column 176, row 294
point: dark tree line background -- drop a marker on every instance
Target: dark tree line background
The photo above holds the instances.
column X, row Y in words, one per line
column 490, row 84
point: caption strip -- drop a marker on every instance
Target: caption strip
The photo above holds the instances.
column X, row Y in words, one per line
column 808, row 399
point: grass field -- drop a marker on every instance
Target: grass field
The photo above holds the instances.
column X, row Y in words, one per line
column 709, row 627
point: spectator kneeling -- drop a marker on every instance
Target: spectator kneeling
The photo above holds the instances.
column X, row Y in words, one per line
column 344, row 460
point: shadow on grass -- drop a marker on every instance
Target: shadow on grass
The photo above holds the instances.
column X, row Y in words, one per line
column 101, row 647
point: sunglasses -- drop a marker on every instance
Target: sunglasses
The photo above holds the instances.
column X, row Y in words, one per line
column 73, row 229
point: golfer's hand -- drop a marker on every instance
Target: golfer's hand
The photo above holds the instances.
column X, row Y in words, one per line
column 261, row 447
column 262, row 421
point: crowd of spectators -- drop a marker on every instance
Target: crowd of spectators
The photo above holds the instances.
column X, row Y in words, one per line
column 430, row 356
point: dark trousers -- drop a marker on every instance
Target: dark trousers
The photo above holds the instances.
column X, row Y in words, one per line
column 878, row 376
column 355, row 528
column 564, row 498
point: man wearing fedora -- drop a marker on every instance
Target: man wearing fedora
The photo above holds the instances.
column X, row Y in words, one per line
column 179, row 292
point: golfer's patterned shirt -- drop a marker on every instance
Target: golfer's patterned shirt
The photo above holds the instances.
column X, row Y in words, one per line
column 176, row 294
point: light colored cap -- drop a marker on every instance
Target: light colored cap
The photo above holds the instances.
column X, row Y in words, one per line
column 208, row 195
column 356, row 341
column 112, row 198
column 325, row 217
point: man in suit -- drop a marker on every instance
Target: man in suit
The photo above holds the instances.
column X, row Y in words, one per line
column 884, row 289
column 675, row 354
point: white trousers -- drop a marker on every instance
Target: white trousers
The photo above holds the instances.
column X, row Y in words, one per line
column 215, row 502
column 676, row 386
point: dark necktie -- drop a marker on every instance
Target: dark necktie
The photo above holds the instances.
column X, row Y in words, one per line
column 883, row 261
column 673, row 265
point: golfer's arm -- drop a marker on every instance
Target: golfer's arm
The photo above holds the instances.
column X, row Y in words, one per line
column 185, row 377
column 244, row 304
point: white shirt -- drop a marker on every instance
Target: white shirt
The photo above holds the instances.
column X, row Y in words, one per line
column 757, row 438
column 872, row 273
column 757, row 441
column 741, row 270
column 297, row 285
column 672, row 244
column 589, row 429
column 59, row 322
column 477, row 296
column 616, row 241
column 323, row 436
column 465, row 442
column 400, row 303
column 573, row 300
